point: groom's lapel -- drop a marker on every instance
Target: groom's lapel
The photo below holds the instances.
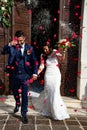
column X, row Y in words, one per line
column 25, row 49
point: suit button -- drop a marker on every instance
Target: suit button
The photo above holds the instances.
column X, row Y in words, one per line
column 19, row 72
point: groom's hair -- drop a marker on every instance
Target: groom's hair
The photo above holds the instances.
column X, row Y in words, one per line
column 19, row 33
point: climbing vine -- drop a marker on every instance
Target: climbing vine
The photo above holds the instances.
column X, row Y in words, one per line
column 5, row 12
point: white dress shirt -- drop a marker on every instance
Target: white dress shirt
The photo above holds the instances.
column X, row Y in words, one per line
column 22, row 49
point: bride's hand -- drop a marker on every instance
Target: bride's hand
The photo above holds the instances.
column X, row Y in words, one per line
column 64, row 50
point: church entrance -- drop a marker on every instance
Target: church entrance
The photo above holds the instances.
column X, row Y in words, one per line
column 44, row 29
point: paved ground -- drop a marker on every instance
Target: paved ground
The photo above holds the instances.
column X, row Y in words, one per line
column 11, row 122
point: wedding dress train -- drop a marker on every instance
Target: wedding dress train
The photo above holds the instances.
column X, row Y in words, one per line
column 50, row 102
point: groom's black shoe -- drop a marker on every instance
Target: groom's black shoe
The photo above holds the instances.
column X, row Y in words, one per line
column 16, row 108
column 24, row 119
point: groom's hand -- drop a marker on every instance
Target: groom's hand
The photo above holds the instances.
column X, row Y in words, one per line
column 13, row 43
column 34, row 77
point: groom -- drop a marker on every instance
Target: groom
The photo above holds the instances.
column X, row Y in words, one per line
column 23, row 60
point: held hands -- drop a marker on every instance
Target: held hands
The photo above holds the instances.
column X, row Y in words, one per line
column 34, row 77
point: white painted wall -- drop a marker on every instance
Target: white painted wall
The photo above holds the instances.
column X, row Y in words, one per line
column 82, row 61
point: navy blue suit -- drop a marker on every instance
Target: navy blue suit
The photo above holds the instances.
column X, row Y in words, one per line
column 24, row 66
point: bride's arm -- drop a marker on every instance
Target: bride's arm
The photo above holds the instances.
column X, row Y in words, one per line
column 42, row 64
column 59, row 54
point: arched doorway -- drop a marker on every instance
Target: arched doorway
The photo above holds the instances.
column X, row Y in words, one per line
column 55, row 20
column 44, row 28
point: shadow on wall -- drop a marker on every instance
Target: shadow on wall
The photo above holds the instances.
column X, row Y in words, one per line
column 84, row 99
column 85, row 94
column 2, row 87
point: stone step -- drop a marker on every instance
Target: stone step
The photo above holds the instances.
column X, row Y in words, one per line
column 75, row 103
column 74, row 106
column 71, row 102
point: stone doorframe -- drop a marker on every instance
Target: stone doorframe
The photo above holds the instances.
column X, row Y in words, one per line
column 82, row 61
column 82, row 56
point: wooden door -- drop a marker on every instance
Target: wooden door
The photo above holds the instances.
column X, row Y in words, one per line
column 4, row 34
column 21, row 19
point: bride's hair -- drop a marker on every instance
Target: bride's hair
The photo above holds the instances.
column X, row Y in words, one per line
column 48, row 44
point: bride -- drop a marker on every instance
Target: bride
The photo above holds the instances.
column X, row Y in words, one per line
column 50, row 102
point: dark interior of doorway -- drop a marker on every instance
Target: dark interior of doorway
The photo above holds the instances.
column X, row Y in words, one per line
column 44, row 28
column 44, row 23
column 75, row 17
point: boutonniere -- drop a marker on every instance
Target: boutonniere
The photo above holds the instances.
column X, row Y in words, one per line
column 29, row 52
column 17, row 47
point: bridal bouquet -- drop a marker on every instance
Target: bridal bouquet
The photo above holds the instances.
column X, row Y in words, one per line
column 64, row 44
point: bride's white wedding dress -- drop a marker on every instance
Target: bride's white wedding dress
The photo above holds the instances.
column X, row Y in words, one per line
column 50, row 102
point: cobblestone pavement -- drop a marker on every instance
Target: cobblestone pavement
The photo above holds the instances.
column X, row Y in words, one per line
column 9, row 121
column 37, row 122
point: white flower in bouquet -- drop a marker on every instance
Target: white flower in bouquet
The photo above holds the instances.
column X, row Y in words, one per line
column 64, row 44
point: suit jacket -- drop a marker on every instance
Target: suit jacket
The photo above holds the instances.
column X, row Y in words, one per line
column 15, row 55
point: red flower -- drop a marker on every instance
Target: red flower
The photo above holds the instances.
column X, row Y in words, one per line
column 44, row 101
column 1, row 87
column 37, row 63
column 76, row 14
column 64, row 44
column 31, row 107
column 75, row 59
column 80, row 17
column 75, row 110
column 15, row 39
column 16, row 96
column 72, row 90
column 31, row 80
column 68, row 79
column 74, row 35
column 12, row 68
column 17, row 47
column 54, row 36
column 84, row 99
column 19, row 90
column 58, row 65
column 58, row 11
column 41, row 27
column 5, row 14
column 7, row 74
column 27, row 63
column 2, row 99
column 54, row 19
column 16, row 63
column 78, row 73
column 42, row 82
column 29, row 51
column 29, row 11
column 18, row 103
column 35, row 43
column 77, row 6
